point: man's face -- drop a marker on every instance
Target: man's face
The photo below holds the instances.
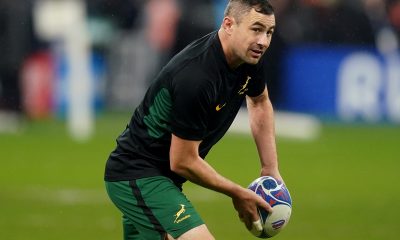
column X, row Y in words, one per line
column 252, row 36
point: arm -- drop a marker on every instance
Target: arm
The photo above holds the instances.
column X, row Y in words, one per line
column 186, row 162
column 261, row 117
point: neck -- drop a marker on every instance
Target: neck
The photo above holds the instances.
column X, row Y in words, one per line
column 232, row 60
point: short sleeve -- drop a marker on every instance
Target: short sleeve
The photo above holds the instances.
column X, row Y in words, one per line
column 192, row 96
column 257, row 82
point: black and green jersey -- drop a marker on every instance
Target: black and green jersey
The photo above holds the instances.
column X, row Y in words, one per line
column 196, row 96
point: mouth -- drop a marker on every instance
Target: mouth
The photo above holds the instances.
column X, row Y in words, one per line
column 256, row 53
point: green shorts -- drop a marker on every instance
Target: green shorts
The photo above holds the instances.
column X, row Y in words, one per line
column 152, row 207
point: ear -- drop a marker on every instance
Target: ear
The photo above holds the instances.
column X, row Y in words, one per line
column 227, row 24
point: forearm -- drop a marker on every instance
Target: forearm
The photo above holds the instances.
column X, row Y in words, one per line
column 261, row 117
column 188, row 164
column 201, row 173
column 185, row 161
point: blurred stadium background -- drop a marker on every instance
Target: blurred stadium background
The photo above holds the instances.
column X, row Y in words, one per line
column 71, row 72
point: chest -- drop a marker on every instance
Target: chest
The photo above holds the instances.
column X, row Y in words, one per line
column 230, row 95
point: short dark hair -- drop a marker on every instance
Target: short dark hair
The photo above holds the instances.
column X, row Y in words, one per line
column 237, row 8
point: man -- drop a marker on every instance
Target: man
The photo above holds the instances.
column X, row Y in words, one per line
column 187, row 109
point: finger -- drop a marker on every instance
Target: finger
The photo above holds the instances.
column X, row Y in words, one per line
column 257, row 225
column 264, row 205
column 248, row 222
column 241, row 218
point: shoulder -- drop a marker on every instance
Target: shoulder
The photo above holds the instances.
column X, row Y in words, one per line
column 197, row 58
column 194, row 79
column 196, row 65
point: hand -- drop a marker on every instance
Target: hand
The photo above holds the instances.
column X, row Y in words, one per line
column 275, row 174
column 246, row 203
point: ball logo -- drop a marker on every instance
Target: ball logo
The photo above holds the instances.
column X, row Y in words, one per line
column 278, row 224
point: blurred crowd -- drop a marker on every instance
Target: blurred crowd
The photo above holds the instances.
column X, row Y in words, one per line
column 137, row 37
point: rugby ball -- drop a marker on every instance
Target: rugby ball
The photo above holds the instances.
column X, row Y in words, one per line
column 278, row 197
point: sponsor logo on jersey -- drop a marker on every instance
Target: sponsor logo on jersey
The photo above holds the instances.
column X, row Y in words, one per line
column 219, row 107
column 178, row 215
column 244, row 88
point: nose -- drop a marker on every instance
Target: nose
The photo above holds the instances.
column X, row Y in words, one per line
column 263, row 41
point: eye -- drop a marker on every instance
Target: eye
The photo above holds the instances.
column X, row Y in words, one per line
column 257, row 30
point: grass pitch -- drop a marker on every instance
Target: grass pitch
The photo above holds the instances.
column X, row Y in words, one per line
column 344, row 185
